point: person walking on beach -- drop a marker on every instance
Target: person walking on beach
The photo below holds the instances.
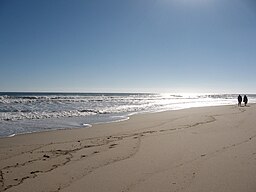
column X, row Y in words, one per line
column 245, row 100
column 239, row 98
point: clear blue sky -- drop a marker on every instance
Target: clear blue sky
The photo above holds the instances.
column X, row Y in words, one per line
column 128, row 45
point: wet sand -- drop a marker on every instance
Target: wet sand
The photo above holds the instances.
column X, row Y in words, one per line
column 191, row 150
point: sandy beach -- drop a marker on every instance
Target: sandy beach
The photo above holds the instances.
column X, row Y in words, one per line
column 190, row 150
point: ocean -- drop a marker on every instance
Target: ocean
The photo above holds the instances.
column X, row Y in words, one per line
column 34, row 112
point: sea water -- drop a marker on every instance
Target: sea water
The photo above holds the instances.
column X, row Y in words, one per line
column 33, row 112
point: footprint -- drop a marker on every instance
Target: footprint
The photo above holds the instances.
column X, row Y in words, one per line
column 112, row 146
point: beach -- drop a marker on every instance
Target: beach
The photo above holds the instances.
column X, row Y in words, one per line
column 188, row 150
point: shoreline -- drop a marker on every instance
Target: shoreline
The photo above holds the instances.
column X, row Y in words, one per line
column 125, row 118
column 36, row 112
column 195, row 149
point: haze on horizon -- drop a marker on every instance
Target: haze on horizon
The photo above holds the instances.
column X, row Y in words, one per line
column 128, row 46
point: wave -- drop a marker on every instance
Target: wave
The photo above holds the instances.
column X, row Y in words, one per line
column 14, row 107
column 32, row 112
column 25, row 114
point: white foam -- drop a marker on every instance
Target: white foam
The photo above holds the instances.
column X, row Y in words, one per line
column 12, row 135
column 86, row 125
column 23, row 113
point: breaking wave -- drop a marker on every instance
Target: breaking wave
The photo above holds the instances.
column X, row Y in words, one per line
column 29, row 112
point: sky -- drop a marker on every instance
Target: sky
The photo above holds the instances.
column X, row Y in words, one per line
column 204, row 46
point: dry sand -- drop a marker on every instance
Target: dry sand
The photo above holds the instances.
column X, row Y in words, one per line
column 199, row 149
